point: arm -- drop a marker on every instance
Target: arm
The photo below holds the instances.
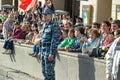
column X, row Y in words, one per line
column 63, row 43
column 71, row 42
column 109, row 59
column 19, row 34
column 54, row 40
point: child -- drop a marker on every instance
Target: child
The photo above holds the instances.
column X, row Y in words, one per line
column 67, row 42
column 91, row 43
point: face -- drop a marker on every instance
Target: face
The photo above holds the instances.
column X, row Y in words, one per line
column 92, row 35
column 110, row 37
column 77, row 33
column 94, row 26
column 12, row 18
column 33, row 27
column 105, row 28
column 39, row 28
column 70, row 34
column 114, row 27
column 64, row 35
column 67, row 27
column 27, row 23
column 46, row 17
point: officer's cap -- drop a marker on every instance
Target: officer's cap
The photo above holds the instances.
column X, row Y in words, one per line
column 47, row 11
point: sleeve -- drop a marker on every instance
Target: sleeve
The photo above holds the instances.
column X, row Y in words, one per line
column 63, row 43
column 55, row 37
column 78, row 49
column 71, row 42
column 109, row 58
column 19, row 35
column 6, row 25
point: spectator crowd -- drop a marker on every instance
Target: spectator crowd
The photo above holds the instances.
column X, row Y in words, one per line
column 25, row 27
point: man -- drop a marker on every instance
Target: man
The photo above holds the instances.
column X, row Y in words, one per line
column 48, row 44
column 113, row 61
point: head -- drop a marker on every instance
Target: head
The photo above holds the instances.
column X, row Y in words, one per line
column 64, row 34
column 27, row 23
column 79, row 31
column 96, row 25
column 110, row 19
column 111, row 36
column 47, row 14
column 105, row 27
column 68, row 26
column 39, row 26
column 16, row 24
column 117, row 33
column 93, row 33
column 79, row 20
column 71, row 33
column 115, row 25
column 11, row 17
column 34, row 26
column 61, row 26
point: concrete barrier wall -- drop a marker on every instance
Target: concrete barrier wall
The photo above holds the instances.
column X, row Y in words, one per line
column 69, row 66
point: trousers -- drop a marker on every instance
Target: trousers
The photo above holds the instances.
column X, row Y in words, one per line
column 47, row 66
column 8, row 44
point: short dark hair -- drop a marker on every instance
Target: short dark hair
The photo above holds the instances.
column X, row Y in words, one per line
column 97, row 24
column 116, row 22
column 80, row 29
column 107, row 22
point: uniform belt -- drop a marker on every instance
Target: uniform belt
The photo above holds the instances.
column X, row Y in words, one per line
column 45, row 44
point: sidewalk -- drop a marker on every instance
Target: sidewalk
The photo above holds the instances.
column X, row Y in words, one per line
column 11, row 74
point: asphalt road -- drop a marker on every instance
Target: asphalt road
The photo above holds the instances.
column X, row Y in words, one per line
column 4, row 78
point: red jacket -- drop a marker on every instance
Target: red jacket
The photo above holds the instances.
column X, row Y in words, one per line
column 18, row 33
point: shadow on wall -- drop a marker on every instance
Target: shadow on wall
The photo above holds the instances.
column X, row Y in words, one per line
column 86, row 69
column 12, row 56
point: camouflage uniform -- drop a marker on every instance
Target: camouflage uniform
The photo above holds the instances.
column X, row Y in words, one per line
column 49, row 42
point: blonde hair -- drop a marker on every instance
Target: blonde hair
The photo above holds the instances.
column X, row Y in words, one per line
column 95, row 31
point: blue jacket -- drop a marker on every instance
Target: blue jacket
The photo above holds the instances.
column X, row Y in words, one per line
column 50, row 35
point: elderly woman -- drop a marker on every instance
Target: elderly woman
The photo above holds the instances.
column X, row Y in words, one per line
column 113, row 61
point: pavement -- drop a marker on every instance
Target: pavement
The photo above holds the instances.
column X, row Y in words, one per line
column 12, row 74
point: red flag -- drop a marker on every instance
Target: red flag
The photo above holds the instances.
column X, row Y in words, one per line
column 25, row 4
column 33, row 3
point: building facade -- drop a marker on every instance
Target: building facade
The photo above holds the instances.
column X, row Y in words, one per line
column 101, row 9
column 95, row 10
column 10, row 2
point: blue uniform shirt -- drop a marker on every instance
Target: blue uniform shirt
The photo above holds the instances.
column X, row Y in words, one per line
column 50, row 35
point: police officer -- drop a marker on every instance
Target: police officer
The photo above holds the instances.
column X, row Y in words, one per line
column 48, row 44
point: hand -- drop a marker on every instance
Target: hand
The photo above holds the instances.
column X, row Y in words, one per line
column 108, row 77
column 50, row 57
column 84, row 39
column 67, row 48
